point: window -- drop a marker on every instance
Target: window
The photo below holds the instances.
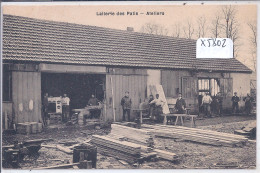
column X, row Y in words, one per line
column 210, row 85
column 7, row 83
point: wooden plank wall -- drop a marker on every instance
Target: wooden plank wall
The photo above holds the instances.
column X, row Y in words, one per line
column 7, row 114
column 172, row 85
column 170, row 82
column 134, row 82
column 26, row 90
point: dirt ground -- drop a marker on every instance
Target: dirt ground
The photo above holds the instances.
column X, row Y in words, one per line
column 191, row 155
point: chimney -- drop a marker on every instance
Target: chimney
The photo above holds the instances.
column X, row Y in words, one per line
column 130, row 29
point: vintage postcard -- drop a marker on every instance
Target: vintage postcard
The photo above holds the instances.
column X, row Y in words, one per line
column 103, row 86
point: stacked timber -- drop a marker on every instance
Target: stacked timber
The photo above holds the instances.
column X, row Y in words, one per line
column 29, row 128
column 138, row 136
column 121, row 150
column 197, row 135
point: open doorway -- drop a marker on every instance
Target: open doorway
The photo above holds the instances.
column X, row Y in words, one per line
column 207, row 85
column 78, row 87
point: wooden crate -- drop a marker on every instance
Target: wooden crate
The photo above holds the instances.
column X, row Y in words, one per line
column 34, row 127
column 23, row 128
column 55, row 118
column 39, row 127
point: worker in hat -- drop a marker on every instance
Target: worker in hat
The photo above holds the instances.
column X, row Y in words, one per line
column 248, row 104
column 235, row 99
column 126, row 104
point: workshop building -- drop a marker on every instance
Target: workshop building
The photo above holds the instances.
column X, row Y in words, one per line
column 41, row 56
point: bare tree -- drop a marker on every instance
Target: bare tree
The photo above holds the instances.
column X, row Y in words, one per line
column 176, row 30
column 202, row 28
column 152, row 28
column 230, row 26
column 215, row 27
column 253, row 41
column 188, row 30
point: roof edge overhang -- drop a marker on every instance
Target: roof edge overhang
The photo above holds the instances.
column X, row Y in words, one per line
column 129, row 66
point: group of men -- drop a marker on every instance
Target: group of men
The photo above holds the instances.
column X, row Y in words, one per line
column 155, row 106
column 65, row 101
column 214, row 106
column 210, row 105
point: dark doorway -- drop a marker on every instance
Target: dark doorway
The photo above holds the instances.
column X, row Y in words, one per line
column 78, row 87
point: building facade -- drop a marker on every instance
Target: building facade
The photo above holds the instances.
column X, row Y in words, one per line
column 54, row 57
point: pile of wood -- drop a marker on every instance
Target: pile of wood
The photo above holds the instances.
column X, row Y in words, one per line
column 121, row 150
column 248, row 131
column 138, row 136
column 29, row 128
column 130, row 144
column 196, row 135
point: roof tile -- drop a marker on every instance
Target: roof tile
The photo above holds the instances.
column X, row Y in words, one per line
column 28, row 39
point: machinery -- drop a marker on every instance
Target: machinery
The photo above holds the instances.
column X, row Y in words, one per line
column 14, row 154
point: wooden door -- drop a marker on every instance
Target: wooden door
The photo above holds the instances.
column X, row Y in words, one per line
column 26, row 96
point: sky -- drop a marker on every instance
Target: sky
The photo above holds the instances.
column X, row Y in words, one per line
column 173, row 14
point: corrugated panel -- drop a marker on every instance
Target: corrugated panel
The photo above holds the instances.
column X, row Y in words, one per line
column 26, row 88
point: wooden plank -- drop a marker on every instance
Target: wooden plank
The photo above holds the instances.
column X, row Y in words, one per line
column 117, row 96
column 196, row 130
column 19, row 100
column 64, row 149
column 36, row 93
column 38, row 99
column 204, row 136
column 30, row 92
column 166, row 155
column 25, row 96
column 59, row 166
column 180, row 133
column 15, row 95
column 228, row 135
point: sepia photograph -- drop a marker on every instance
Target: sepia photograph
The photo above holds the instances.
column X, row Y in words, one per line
column 102, row 86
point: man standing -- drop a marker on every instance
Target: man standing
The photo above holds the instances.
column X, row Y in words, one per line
column 158, row 103
column 65, row 107
column 180, row 105
column 93, row 101
column 248, row 104
column 235, row 99
column 126, row 104
column 220, row 103
column 206, row 101
column 45, row 108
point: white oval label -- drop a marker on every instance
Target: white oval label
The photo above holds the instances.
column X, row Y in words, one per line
column 21, row 107
column 31, row 105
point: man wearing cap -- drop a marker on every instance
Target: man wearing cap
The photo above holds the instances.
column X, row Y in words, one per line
column 126, row 104
column 235, row 99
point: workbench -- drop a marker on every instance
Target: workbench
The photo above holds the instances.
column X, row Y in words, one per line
column 86, row 111
column 179, row 117
column 141, row 113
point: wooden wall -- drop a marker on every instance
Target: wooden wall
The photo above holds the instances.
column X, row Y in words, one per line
column 186, row 82
column 26, row 96
column 7, row 114
column 121, row 80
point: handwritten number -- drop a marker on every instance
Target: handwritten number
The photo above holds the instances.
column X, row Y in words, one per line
column 224, row 41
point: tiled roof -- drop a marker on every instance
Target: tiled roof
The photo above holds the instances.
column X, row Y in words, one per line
column 27, row 39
